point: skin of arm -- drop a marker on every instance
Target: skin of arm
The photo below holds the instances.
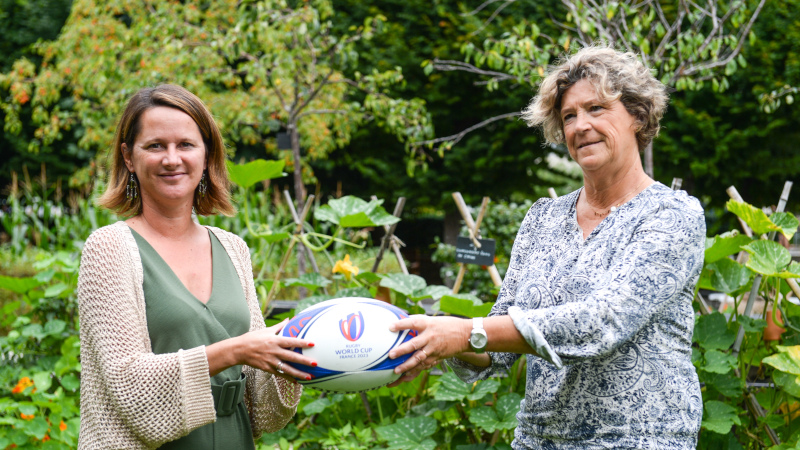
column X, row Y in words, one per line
column 446, row 337
column 262, row 349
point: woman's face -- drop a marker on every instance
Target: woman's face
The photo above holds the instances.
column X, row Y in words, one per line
column 600, row 137
column 168, row 157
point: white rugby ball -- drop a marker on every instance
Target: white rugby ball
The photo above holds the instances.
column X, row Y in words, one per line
column 351, row 343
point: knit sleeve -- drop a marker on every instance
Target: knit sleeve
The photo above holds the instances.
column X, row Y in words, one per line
column 271, row 401
column 158, row 398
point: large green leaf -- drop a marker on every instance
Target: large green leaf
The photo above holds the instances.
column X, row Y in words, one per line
column 718, row 362
column 311, row 281
column 724, row 245
column 311, row 301
column 712, row 333
column 767, row 257
column 360, row 291
column 752, row 216
column 409, row 433
column 726, row 384
column 728, row 275
column 404, row 284
column 18, row 284
column 353, row 212
column 435, row 292
column 786, row 360
column 451, row 388
column 791, row 271
column 789, row 382
column 464, row 307
column 503, row 417
column 246, row 175
column 719, row 417
column 787, row 223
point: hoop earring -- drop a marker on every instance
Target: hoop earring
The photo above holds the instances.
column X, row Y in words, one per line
column 203, row 186
column 132, row 190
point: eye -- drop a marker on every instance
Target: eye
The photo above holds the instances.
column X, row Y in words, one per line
column 596, row 108
column 154, row 145
column 187, row 144
column 568, row 117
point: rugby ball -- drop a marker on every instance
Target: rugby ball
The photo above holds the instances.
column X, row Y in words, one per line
column 351, row 343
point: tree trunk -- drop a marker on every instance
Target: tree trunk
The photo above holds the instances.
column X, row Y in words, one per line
column 300, row 196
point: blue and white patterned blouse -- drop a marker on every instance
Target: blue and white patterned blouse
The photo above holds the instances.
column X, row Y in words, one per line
column 611, row 318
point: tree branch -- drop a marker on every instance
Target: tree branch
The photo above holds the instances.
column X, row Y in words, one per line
column 458, row 136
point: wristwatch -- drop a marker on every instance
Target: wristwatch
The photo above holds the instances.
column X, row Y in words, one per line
column 478, row 338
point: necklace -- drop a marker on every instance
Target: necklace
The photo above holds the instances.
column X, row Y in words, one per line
column 613, row 208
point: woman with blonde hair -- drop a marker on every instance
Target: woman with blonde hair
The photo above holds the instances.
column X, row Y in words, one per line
column 174, row 349
column 600, row 284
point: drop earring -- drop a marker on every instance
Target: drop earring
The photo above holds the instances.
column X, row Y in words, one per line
column 132, row 190
column 203, row 186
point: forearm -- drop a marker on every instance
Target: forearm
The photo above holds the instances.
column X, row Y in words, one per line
column 503, row 337
column 222, row 355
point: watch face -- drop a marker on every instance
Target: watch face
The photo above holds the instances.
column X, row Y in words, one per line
column 478, row 340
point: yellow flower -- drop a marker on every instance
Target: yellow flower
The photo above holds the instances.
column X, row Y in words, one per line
column 345, row 267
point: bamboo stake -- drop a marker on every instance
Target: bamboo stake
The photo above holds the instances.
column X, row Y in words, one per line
column 273, row 290
column 751, row 299
column 552, row 192
column 297, row 221
column 390, row 240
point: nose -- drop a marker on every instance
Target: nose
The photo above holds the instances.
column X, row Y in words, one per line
column 582, row 122
column 171, row 157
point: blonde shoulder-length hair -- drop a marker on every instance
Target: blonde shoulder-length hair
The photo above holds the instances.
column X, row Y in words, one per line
column 615, row 76
column 217, row 197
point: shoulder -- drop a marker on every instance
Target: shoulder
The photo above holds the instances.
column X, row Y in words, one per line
column 114, row 237
column 229, row 240
column 549, row 209
column 674, row 210
column 662, row 197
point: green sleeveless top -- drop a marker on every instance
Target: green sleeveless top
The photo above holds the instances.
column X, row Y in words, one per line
column 176, row 320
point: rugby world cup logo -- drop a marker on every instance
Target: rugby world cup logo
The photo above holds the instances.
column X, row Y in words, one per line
column 352, row 327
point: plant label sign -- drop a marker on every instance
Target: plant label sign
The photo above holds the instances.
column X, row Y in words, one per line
column 467, row 253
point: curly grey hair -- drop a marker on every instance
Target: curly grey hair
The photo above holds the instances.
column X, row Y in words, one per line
column 615, row 76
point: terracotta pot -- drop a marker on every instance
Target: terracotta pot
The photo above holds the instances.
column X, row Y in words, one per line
column 773, row 331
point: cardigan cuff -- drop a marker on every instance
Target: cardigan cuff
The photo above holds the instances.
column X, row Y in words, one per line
column 534, row 337
column 198, row 400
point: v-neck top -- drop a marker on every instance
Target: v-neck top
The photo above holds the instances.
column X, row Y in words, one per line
column 177, row 320
column 610, row 318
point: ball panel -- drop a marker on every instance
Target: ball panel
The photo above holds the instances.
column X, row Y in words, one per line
column 353, row 381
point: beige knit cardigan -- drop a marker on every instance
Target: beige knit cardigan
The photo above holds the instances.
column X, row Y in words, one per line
column 132, row 398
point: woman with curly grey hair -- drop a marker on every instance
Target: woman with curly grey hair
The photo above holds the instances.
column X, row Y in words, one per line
column 600, row 284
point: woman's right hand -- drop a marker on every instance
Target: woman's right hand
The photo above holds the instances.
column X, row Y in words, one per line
column 264, row 350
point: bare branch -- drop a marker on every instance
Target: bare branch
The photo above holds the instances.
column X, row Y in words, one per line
column 483, row 5
column 451, row 65
column 710, row 65
column 458, row 136
column 491, row 18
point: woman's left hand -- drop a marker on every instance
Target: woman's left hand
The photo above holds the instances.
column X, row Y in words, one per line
column 438, row 338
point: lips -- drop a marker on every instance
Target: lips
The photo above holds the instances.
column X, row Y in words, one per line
column 588, row 144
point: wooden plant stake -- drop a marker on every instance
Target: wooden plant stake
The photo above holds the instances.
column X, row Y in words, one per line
column 298, row 230
column 391, row 240
column 473, row 226
column 299, row 227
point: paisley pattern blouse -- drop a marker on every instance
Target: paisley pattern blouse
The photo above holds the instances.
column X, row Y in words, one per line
column 611, row 320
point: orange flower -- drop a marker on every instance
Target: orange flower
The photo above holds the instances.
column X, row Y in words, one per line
column 62, row 426
column 27, row 416
column 46, row 438
column 24, row 383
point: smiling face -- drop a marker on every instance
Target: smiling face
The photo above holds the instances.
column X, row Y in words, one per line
column 600, row 136
column 168, row 157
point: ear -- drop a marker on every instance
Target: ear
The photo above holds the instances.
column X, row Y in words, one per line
column 126, row 156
